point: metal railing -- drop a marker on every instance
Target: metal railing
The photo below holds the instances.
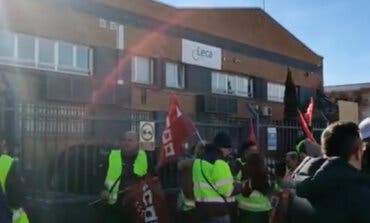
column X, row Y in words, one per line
column 64, row 150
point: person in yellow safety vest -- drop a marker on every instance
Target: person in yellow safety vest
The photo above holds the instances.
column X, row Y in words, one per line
column 245, row 149
column 213, row 183
column 11, row 187
column 125, row 165
column 186, row 200
column 254, row 205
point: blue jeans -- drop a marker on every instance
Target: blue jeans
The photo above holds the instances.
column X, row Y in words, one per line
column 221, row 219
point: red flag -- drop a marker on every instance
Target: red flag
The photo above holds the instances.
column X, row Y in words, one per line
column 178, row 127
column 252, row 136
column 309, row 112
column 304, row 126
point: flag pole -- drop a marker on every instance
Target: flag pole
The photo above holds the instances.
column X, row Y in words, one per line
column 200, row 138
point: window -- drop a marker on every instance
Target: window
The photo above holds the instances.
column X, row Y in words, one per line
column 244, row 87
column 82, row 58
column 33, row 52
column 174, row 75
column 7, row 41
column 73, row 57
column 275, row 92
column 65, row 55
column 142, row 70
column 46, row 53
column 26, row 48
column 223, row 83
column 231, row 84
column 219, row 83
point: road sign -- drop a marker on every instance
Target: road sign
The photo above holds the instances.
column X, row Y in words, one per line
column 147, row 135
column 271, row 138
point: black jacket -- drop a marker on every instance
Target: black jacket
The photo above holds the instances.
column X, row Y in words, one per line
column 338, row 192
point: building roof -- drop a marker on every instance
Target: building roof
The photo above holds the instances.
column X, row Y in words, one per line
column 244, row 14
column 252, row 26
column 347, row 87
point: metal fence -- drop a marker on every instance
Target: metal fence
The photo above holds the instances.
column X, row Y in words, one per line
column 63, row 151
column 289, row 133
column 62, row 148
column 65, row 148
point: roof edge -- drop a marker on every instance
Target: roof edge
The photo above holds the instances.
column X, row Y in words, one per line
column 245, row 8
column 290, row 33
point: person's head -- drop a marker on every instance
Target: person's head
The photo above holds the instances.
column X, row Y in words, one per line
column 343, row 139
column 210, row 153
column 130, row 142
column 257, row 172
column 255, row 162
column 199, row 149
column 292, row 160
column 247, row 148
column 223, row 143
column 365, row 132
column 365, row 137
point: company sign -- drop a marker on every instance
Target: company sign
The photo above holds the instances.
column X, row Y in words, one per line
column 201, row 54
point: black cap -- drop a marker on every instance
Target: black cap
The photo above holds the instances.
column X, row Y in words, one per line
column 222, row 140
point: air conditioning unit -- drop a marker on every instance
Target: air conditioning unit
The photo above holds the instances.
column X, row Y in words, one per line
column 266, row 111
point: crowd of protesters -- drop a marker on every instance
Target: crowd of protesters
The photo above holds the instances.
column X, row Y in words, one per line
column 329, row 182
column 325, row 183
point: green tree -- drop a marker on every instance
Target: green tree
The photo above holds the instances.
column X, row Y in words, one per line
column 290, row 98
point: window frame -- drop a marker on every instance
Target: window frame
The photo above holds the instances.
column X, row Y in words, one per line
column 233, row 91
column 46, row 64
column 66, row 67
column 24, row 61
column 180, row 67
column 36, row 63
column 249, row 88
column 134, row 71
column 275, row 97
column 14, row 49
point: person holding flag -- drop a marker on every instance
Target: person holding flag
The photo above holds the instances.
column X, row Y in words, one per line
column 177, row 129
column 214, row 186
column 308, row 147
column 212, row 180
column 254, row 205
column 306, row 121
column 248, row 147
column 125, row 165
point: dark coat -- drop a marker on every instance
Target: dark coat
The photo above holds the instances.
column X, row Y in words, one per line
column 338, row 193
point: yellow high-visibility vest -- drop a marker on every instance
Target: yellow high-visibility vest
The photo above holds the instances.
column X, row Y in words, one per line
column 6, row 162
column 115, row 170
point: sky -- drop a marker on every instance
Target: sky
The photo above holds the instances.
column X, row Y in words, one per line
column 338, row 30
